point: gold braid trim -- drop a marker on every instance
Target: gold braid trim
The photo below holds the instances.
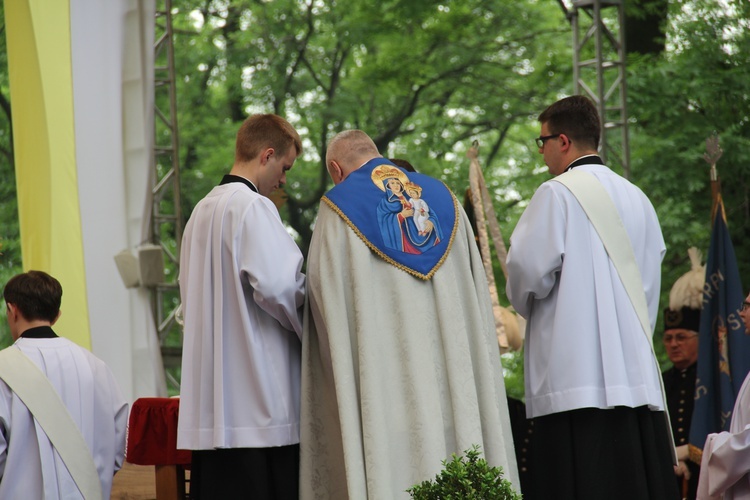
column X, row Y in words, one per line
column 695, row 454
column 390, row 260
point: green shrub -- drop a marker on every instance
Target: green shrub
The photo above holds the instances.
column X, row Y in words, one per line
column 469, row 478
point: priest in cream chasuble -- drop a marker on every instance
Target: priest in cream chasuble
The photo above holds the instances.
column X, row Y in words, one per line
column 401, row 366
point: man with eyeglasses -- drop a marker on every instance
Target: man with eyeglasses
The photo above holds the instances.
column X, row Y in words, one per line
column 681, row 344
column 593, row 386
column 681, row 326
column 745, row 313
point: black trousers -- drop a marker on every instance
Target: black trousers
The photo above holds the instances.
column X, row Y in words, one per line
column 245, row 473
column 622, row 453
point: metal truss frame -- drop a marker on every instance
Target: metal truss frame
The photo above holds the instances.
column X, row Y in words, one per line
column 166, row 214
column 599, row 72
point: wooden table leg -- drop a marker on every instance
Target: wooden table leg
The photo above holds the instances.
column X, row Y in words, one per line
column 170, row 482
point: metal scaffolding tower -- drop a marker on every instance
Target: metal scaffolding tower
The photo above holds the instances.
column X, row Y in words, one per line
column 599, row 72
column 166, row 215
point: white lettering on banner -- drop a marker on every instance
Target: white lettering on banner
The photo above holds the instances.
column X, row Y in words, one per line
column 734, row 321
column 712, row 285
column 700, row 389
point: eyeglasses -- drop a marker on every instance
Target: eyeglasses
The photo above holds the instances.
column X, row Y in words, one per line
column 680, row 338
column 744, row 306
column 543, row 138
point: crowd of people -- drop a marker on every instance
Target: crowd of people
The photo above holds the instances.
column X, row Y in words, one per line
column 357, row 377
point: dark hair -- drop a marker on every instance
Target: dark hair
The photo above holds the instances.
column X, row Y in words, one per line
column 36, row 294
column 403, row 164
column 575, row 116
column 258, row 132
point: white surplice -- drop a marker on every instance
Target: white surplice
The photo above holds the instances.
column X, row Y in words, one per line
column 584, row 345
column 242, row 293
column 398, row 373
column 30, row 468
column 725, row 465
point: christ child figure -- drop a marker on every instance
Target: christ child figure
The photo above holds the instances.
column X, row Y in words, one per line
column 421, row 209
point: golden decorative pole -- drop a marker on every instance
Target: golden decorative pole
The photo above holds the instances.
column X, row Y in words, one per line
column 712, row 155
column 507, row 325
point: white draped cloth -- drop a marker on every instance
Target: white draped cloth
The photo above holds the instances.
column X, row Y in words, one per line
column 725, row 466
column 397, row 373
column 242, row 292
column 30, row 467
column 584, row 345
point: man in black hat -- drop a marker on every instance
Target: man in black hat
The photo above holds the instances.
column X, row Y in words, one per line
column 681, row 325
column 681, row 343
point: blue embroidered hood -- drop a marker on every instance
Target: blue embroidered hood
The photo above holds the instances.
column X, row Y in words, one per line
column 406, row 218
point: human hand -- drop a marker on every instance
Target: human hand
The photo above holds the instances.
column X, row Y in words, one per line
column 681, row 470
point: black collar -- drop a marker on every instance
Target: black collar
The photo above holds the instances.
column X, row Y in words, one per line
column 236, row 178
column 586, row 160
column 39, row 332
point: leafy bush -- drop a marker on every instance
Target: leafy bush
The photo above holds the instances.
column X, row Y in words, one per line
column 469, row 478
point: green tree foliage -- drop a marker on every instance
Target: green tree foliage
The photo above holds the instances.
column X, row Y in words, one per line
column 423, row 78
column 513, row 374
column 698, row 86
column 10, row 246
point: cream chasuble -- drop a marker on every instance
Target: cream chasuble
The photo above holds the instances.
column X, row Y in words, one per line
column 398, row 372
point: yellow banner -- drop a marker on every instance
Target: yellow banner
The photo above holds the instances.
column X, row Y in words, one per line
column 41, row 89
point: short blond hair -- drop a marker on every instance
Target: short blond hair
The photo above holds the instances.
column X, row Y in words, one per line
column 259, row 132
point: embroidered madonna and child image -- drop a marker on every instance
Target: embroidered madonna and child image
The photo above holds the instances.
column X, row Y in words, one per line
column 403, row 216
column 409, row 220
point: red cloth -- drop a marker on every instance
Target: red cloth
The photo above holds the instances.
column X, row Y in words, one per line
column 152, row 433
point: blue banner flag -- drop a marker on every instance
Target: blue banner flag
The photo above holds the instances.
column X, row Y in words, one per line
column 723, row 345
